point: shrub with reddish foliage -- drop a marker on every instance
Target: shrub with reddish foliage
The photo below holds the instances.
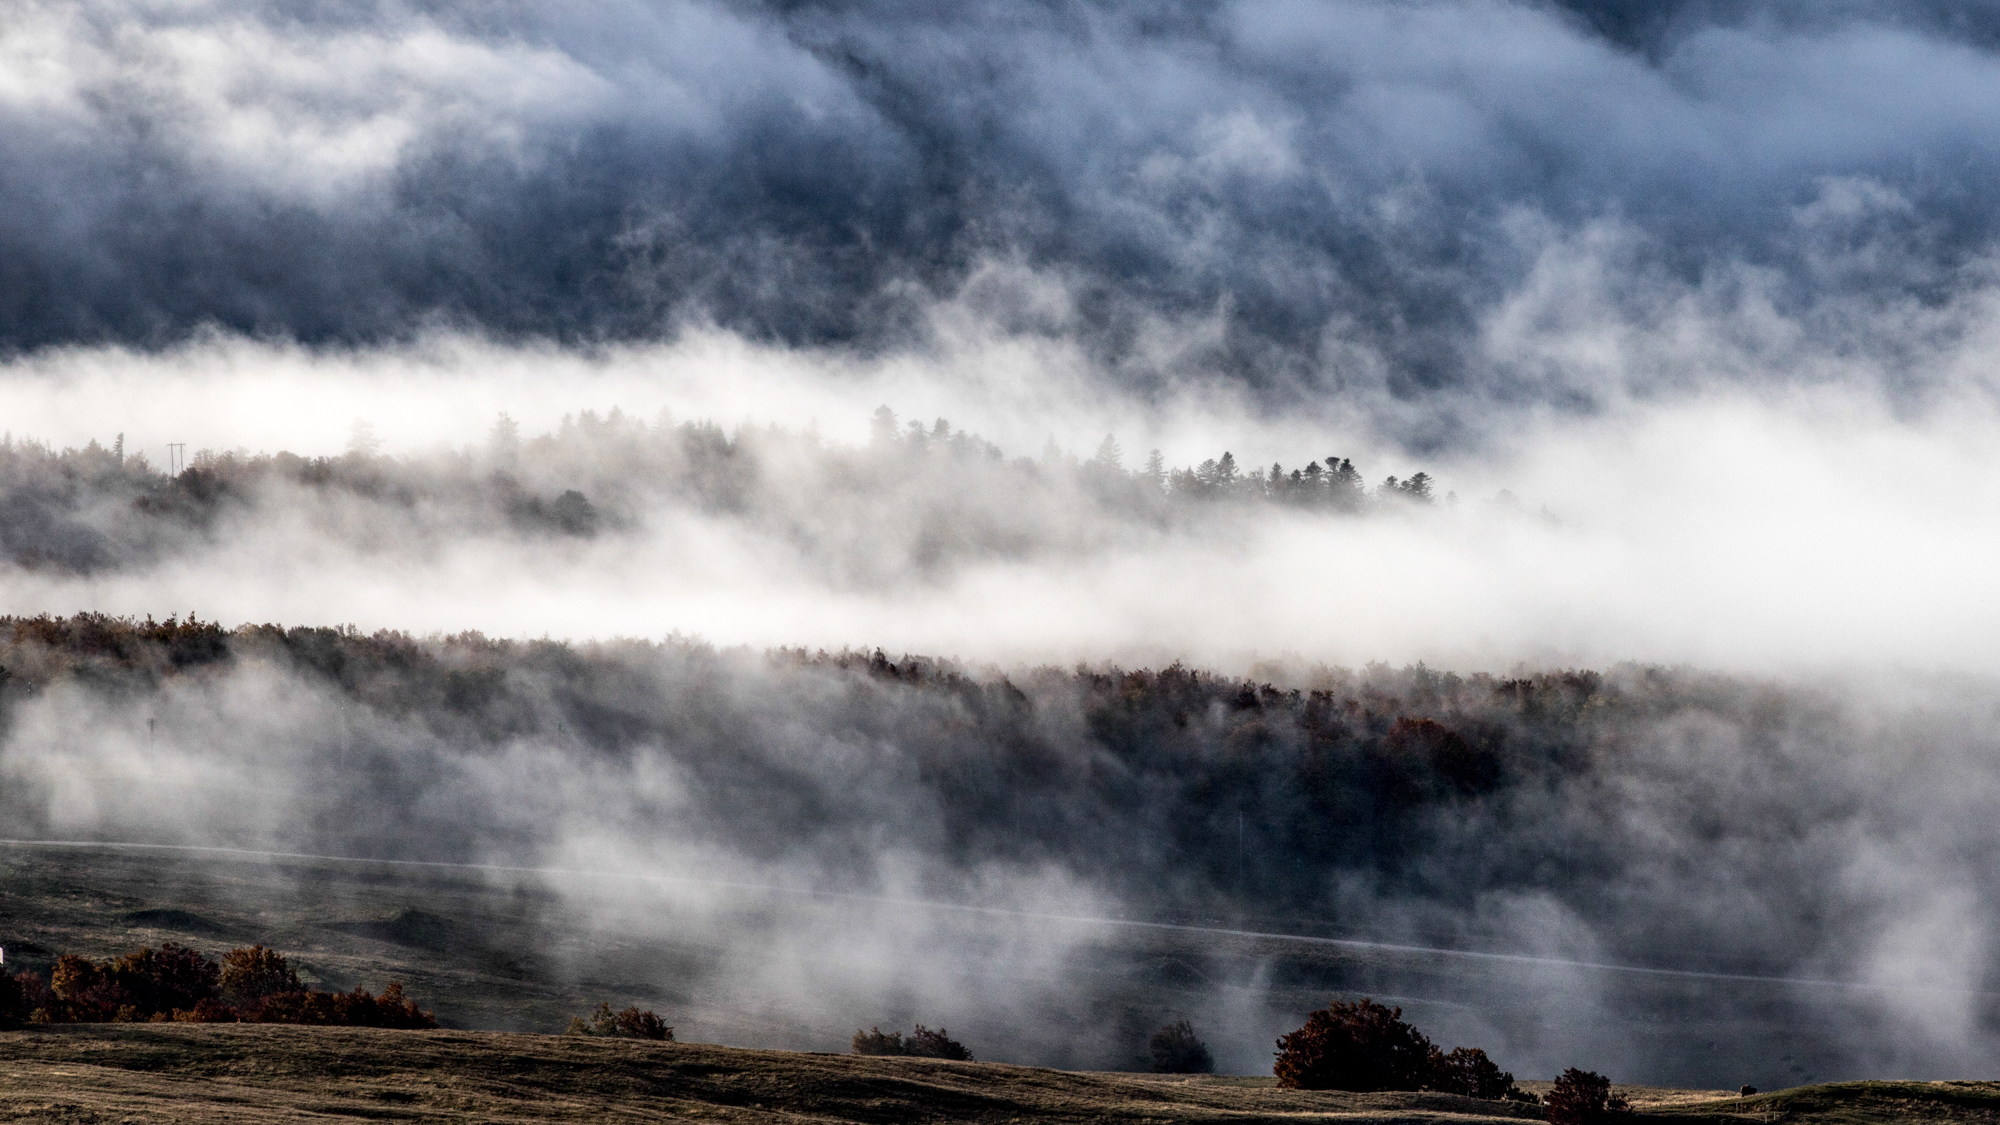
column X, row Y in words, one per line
column 254, row 973
column 178, row 984
column 1359, row 1045
column 164, row 980
column 340, row 1009
column 1366, row 1046
column 85, row 992
column 206, row 1011
column 1468, row 1071
column 1583, row 1097
column 628, row 1024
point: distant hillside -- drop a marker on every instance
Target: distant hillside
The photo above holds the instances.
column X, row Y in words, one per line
column 922, row 500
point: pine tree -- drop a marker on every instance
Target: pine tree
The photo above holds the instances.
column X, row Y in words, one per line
column 1109, row 457
column 882, row 430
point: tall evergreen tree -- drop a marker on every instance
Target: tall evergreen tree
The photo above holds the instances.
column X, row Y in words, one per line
column 1109, row 457
column 882, row 430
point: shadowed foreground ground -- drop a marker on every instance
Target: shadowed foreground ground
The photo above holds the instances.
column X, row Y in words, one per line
column 245, row 1073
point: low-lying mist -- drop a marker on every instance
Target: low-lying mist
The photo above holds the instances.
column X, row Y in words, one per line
column 1639, row 816
column 1808, row 529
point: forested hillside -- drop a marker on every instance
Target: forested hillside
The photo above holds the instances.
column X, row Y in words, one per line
column 922, row 496
column 1651, row 815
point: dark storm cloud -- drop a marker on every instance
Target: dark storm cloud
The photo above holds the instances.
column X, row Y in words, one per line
column 1339, row 194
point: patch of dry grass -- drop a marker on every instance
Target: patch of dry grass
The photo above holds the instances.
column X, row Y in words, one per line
column 243, row 1074
column 247, row 1074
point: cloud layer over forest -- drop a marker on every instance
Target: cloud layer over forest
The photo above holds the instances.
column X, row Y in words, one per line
column 1814, row 536
column 1796, row 835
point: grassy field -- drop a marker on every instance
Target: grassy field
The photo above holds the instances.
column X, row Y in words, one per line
column 501, row 954
column 242, row 1073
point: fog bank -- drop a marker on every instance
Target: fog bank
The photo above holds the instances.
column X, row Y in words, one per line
column 1805, row 528
column 816, row 825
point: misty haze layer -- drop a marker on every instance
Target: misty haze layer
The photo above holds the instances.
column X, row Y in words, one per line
column 918, row 503
column 1366, row 199
column 1820, row 535
column 1666, row 820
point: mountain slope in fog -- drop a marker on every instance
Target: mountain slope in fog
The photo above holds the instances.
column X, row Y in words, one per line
column 921, row 500
column 1664, row 817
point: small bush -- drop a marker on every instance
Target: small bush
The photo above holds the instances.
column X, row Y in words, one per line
column 254, row 973
column 923, row 1043
column 1178, row 1050
column 1365, row 1046
column 1583, row 1097
column 1354, row 1046
column 927, row 1044
column 163, row 980
column 82, row 991
column 873, row 1042
column 1468, row 1071
column 628, row 1024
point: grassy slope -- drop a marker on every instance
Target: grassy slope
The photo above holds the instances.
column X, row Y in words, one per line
column 249, row 1074
column 1853, row 1103
column 260, row 1074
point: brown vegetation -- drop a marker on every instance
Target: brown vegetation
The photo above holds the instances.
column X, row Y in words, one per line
column 178, row 985
column 249, row 975
column 1583, row 1097
column 246, row 1074
column 1362, row 1045
column 1178, row 1050
column 628, row 1024
column 923, row 1043
column 243, row 1073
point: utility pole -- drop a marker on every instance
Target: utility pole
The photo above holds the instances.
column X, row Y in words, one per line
column 176, row 457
